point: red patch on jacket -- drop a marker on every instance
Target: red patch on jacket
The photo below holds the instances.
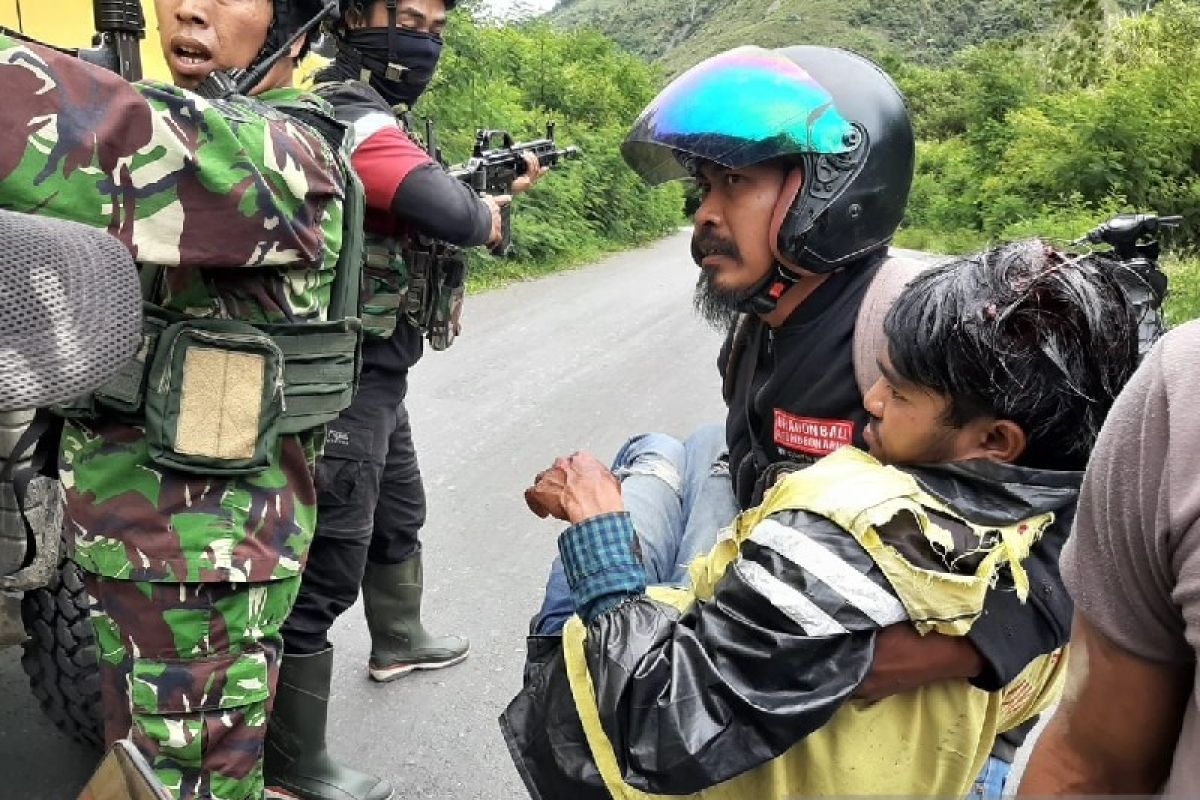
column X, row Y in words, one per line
column 816, row 437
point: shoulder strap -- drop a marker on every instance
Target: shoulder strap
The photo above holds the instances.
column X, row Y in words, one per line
column 869, row 341
column 318, row 113
column 346, row 292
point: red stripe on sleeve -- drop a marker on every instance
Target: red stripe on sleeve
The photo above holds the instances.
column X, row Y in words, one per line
column 383, row 161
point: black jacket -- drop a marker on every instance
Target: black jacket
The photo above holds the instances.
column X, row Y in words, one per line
column 690, row 700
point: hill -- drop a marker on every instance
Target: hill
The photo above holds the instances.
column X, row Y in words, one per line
column 678, row 33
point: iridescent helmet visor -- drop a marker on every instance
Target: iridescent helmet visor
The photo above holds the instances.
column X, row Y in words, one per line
column 740, row 108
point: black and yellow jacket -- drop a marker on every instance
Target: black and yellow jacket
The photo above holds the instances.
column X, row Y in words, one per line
column 740, row 687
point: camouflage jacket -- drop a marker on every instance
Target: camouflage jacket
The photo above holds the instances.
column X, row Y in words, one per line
column 243, row 206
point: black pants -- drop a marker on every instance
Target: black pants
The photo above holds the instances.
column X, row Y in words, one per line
column 371, row 505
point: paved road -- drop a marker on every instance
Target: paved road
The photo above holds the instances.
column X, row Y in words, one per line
column 580, row 359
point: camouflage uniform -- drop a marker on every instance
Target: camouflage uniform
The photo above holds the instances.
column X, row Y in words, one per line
column 192, row 575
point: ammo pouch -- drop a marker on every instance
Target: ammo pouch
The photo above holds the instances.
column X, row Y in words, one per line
column 385, row 280
column 437, row 274
column 215, row 395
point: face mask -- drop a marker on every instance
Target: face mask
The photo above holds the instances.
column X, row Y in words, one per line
column 416, row 52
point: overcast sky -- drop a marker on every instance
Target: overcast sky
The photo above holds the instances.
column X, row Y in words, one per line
column 500, row 6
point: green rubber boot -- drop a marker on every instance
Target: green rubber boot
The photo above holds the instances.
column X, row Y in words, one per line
column 399, row 644
column 296, row 763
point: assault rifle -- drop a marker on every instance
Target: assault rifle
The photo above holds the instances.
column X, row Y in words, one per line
column 493, row 170
column 120, row 27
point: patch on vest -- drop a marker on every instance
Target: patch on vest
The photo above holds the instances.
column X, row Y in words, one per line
column 816, row 437
column 336, row 438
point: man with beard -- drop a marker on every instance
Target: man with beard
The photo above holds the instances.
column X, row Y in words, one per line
column 804, row 181
column 189, row 476
column 742, row 685
column 371, row 498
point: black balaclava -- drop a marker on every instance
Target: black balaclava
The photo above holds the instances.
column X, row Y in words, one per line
column 399, row 62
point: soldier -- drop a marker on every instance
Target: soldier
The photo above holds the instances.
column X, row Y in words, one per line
column 371, row 499
column 190, row 494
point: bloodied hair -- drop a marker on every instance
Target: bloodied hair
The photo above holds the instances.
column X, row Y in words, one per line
column 1024, row 333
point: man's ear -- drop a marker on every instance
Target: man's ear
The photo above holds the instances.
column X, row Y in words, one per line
column 297, row 46
column 1003, row 440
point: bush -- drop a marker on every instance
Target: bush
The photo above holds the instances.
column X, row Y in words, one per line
column 1183, row 295
column 1005, row 154
column 517, row 78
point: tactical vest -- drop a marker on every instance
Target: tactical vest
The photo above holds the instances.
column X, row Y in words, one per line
column 291, row 377
column 417, row 280
column 384, row 284
column 410, row 279
column 932, row 741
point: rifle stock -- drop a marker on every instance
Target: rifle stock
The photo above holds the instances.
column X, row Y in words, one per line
column 120, row 27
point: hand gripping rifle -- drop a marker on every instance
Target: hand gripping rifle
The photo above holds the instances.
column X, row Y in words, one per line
column 120, row 28
column 493, row 170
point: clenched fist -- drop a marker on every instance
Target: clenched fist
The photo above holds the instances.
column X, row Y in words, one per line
column 574, row 489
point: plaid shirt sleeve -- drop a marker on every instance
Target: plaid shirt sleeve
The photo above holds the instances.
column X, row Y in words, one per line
column 598, row 555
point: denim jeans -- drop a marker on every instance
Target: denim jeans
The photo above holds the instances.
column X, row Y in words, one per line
column 679, row 496
column 990, row 783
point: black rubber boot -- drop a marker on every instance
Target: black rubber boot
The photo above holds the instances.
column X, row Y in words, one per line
column 399, row 644
column 296, row 762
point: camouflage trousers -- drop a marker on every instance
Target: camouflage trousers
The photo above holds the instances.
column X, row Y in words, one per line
column 188, row 672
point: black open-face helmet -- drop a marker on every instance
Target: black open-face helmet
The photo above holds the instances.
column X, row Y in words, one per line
column 291, row 16
column 833, row 115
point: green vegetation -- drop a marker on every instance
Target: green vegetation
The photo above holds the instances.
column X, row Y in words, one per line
column 519, row 77
column 1010, row 149
column 1183, row 298
column 1034, row 117
column 679, row 33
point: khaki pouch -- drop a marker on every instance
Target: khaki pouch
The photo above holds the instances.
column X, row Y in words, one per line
column 214, row 399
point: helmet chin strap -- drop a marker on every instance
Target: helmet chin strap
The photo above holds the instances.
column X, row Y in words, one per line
column 783, row 274
column 221, row 84
column 767, row 293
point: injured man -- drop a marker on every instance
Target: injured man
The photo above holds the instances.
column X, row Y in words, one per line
column 998, row 372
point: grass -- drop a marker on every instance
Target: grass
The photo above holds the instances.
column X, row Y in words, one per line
column 488, row 273
column 931, row 241
column 1183, row 297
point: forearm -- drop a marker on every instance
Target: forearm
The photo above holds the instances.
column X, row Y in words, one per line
column 1068, row 760
column 441, row 207
column 905, row 660
column 1116, row 729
